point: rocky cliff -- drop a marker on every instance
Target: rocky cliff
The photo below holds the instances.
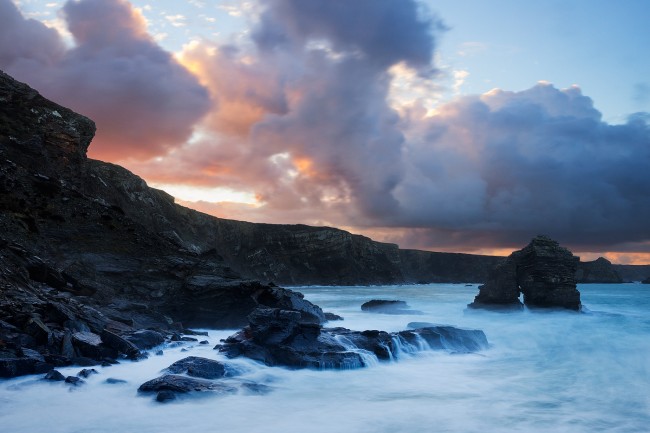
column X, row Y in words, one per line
column 89, row 255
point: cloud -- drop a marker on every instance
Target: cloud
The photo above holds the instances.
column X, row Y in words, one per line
column 26, row 43
column 383, row 32
column 497, row 168
column 307, row 117
column 307, row 122
column 143, row 101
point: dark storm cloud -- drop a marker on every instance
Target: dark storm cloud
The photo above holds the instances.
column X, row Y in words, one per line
column 508, row 165
column 385, row 32
column 142, row 100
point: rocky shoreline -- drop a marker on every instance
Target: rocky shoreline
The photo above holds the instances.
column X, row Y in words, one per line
column 96, row 266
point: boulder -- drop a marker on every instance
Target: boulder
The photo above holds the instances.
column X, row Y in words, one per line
column 54, row 376
column 198, row 367
column 384, row 306
column 169, row 385
column 543, row 271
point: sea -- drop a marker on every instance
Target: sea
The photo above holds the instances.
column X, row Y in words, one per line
column 544, row 371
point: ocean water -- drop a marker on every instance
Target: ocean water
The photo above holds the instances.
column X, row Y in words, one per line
column 543, row 372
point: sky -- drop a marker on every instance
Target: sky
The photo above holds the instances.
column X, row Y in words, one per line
column 449, row 125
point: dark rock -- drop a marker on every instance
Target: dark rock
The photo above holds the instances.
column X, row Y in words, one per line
column 646, row 281
column 164, row 396
column 88, row 343
column 74, row 381
column 113, row 381
column 182, row 385
column 87, row 372
column 501, row 291
column 204, row 342
column 121, row 344
column 543, row 271
column 256, row 388
column 159, row 353
column 22, row 361
column 198, row 367
column 384, row 306
column 278, row 337
column 55, row 376
column 332, row 317
column 194, row 332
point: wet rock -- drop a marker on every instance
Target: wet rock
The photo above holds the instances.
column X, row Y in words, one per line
column 87, row 372
column 543, row 271
column 646, row 281
column 74, row 381
column 332, row 317
column 198, row 367
column 22, row 361
column 278, row 337
column 54, row 376
column 255, row 388
column 383, row 305
column 164, row 396
column 120, row 344
column 386, row 306
column 145, row 339
column 204, row 342
column 172, row 384
column 113, row 381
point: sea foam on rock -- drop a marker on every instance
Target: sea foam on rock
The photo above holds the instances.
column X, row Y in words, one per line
column 279, row 337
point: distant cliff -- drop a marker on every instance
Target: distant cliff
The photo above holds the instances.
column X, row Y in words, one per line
column 97, row 221
column 633, row 272
column 600, row 270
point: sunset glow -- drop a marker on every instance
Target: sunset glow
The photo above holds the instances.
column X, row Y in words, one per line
column 434, row 129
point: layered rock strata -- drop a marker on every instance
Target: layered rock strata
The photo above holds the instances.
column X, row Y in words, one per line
column 543, row 271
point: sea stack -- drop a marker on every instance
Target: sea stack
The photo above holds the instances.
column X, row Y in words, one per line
column 543, row 271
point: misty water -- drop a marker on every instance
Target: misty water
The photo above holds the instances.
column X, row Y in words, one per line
column 544, row 372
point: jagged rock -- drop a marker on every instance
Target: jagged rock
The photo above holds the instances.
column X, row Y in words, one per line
column 120, row 344
column 599, row 271
column 543, row 271
column 198, row 367
column 278, row 337
column 145, row 339
column 21, row 361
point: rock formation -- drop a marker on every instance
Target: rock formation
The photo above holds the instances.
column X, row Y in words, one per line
column 279, row 337
column 543, row 271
